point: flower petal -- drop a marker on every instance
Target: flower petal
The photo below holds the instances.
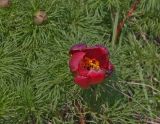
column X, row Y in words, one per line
column 96, row 77
column 82, row 81
column 83, row 71
column 99, row 53
column 75, row 60
column 77, row 48
column 110, row 68
column 98, row 49
column 104, row 49
column 104, row 61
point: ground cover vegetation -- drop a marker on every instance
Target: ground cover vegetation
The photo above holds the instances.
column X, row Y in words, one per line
column 36, row 85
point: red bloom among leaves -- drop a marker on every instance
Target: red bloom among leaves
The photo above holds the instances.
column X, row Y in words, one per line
column 90, row 65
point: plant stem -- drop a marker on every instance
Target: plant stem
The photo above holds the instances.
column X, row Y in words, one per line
column 129, row 14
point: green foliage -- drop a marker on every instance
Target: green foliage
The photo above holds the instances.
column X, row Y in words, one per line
column 36, row 85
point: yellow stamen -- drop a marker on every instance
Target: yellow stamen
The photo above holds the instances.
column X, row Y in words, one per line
column 91, row 63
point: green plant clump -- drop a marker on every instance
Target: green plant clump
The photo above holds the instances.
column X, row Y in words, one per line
column 36, row 86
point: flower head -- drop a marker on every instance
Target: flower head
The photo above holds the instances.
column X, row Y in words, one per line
column 40, row 17
column 5, row 3
column 90, row 65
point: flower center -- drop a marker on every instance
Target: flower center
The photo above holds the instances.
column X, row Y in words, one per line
column 91, row 63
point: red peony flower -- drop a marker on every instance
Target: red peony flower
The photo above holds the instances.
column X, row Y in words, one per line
column 90, row 65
